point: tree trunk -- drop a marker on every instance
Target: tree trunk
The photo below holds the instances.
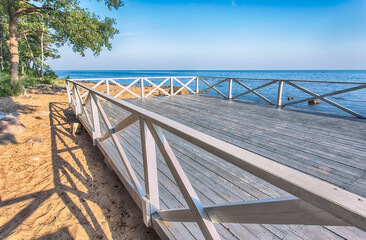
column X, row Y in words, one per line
column 42, row 51
column 22, row 71
column 13, row 48
column 4, row 30
column 1, row 52
column 31, row 53
column 29, row 62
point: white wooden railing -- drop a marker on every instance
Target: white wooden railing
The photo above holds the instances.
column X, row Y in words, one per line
column 241, row 82
column 206, row 83
column 314, row 202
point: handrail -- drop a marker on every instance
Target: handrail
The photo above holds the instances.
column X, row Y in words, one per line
column 292, row 80
column 170, row 80
column 281, row 83
column 126, row 78
column 334, row 205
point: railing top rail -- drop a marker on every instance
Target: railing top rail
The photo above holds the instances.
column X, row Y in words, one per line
column 343, row 204
column 237, row 78
column 291, row 80
column 126, row 78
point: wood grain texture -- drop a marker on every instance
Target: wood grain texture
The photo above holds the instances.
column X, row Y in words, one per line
column 216, row 181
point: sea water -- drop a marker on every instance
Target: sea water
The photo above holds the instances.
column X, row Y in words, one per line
column 355, row 100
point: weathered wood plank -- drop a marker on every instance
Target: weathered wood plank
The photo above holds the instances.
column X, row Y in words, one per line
column 132, row 137
column 330, row 163
column 292, row 157
column 192, row 162
column 171, row 188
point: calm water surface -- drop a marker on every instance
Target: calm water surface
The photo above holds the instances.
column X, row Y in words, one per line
column 354, row 100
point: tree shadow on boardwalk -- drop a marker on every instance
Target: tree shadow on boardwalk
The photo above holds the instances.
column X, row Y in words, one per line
column 93, row 195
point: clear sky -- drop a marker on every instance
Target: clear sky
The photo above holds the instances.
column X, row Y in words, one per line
column 229, row 35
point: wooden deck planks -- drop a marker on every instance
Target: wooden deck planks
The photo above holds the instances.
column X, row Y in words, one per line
column 216, row 181
column 185, row 149
column 342, row 170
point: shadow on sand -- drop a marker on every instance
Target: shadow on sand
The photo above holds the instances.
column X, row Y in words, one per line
column 99, row 186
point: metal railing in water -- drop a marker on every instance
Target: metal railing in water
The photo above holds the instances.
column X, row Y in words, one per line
column 177, row 84
column 314, row 202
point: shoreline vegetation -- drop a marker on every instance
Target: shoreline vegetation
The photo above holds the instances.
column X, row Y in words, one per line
column 28, row 80
column 32, row 31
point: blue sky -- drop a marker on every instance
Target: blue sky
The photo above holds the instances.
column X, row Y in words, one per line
column 230, row 35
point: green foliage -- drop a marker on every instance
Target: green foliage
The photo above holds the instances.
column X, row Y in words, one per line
column 81, row 29
column 5, row 89
column 44, row 24
column 30, row 79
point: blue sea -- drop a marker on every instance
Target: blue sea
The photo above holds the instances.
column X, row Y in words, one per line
column 355, row 100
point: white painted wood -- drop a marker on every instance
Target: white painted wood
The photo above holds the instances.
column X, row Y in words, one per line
column 87, row 97
column 157, row 87
column 130, row 188
column 82, row 105
column 279, row 94
column 292, row 80
column 340, row 203
column 326, row 100
column 126, row 88
column 150, row 172
column 286, row 210
column 94, row 87
column 142, row 87
column 198, row 212
column 213, row 86
column 107, row 86
column 126, row 78
column 95, row 118
column 184, row 86
column 76, row 102
column 254, row 92
column 197, row 85
column 120, row 126
column 230, row 90
column 120, row 150
column 254, row 89
column 68, row 92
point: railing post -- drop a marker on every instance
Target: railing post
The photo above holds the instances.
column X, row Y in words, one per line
column 95, row 119
column 171, row 86
column 68, row 91
column 77, row 103
column 107, row 85
column 142, row 87
column 229, row 94
column 279, row 94
column 150, row 173
column 197, row 87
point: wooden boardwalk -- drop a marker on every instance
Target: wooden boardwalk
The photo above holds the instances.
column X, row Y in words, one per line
column 329, row 148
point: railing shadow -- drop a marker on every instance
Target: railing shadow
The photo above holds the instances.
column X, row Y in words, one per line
column 92, row 193
column 100, row 185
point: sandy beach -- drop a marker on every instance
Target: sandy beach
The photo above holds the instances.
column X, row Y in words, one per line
column 55, row 185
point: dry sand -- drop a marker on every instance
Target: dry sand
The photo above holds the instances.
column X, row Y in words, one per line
column 60, row 189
